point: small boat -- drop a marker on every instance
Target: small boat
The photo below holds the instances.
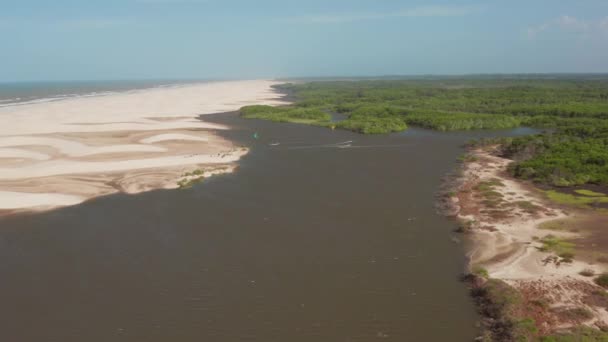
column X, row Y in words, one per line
column 275, row 144
column 344, row 144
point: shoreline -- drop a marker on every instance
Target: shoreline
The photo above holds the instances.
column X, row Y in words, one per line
column 513, row 252
column 65, row 152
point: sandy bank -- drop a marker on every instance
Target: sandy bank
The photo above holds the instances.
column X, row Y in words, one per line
column 504, row 219
column 64, row 152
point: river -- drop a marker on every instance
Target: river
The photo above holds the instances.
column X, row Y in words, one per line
column 312, row 239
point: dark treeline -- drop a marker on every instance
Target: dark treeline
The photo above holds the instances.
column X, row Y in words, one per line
column 575, row 108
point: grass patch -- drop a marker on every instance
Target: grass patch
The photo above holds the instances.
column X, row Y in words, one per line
column 491, row 197
column 468, row 158
column 578, row 314
column 580, row 334
column 191, row 178
column 562, row 248
column 491, row 194
column 557, row 225
column 188, row 183
column 578, row 201
column 481, row 272
column 503, row 304
column 589, row 193
column 528, row 206
column 194, row 173
column 492, row 203
column 489, row 184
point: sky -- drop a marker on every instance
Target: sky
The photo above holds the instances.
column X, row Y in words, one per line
column 245, row 39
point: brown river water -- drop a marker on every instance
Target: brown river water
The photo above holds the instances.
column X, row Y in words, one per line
column 307, row 241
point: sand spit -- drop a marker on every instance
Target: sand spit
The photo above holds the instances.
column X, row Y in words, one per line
column 503, row 218
column 64, row 152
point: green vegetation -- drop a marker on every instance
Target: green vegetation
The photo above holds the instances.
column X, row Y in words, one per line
column 188, row 183
column 572, row 109
column 589, row 193
column 468, row 158
column 560, row 159
column 557, row 225
column 286, row 114
column 602, row 280
column 508, row 316
column 587, row 272
column 195, row 173
column 373, row 125
column 570, row 199
column 465, row 226
column 445, row 121
column 491, row 197
column 191, row 178
column 528, row 206
column 481, row 272
column 581, row 334
column 503, row 304
column 562, row 248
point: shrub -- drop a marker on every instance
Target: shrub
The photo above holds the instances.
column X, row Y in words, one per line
column 602, row 280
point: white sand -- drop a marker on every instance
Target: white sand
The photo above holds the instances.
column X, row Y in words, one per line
column 66, row 167
column 136, row 110
column 73, row 148
column 21, row 154
column 63, row 152
column 170, row 137
column 18, row 200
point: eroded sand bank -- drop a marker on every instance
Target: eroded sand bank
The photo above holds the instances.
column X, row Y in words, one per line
column 65, row 152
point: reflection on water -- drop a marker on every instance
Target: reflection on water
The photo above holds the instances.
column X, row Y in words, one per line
column 320, row 236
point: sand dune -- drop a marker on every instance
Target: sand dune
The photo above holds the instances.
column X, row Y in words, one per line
column 64, row 152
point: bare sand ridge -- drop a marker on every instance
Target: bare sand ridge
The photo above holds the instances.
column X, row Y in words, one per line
column 504, row 218
column 65, row 152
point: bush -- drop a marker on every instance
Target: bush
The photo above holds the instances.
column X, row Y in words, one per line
column 602, row 280
column 373, row 125
column 286, row 114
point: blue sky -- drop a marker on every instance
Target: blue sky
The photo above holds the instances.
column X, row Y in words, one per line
column 151, row 39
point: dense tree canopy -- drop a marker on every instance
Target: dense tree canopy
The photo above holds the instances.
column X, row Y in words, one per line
column 574, row 109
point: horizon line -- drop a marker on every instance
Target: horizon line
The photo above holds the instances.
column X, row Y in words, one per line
column 283, row 78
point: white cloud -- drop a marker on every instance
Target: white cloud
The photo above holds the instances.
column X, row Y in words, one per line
column 426, row 11
column 570, row 25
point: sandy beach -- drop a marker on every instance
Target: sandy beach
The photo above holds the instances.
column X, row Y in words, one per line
column 64, row 152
